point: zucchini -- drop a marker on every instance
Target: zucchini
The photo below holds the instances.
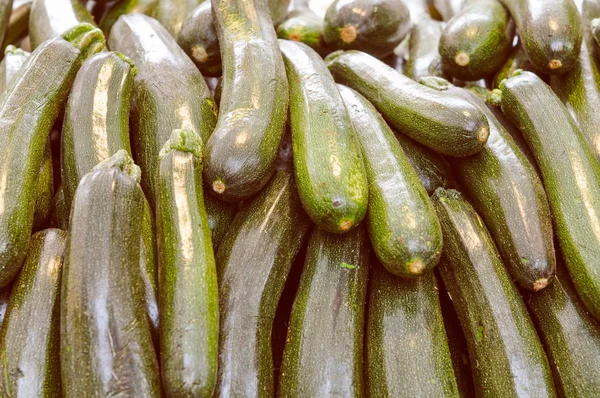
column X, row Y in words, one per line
column 160, row 104
column 438, row 120
column 572, row 185
column 60, row 214
column 327, row 319
column 303, row 26
column 111, row 16
column 551, row 32
column 106, row 348
column 516, row 60
column 477, row 40
column 241, row 154
column 423, row 55
column 18, row 23
column 50, row 18
column 13, row 60
column 172, row 13
column 220, row 215
column 4, row 297
column 330, row 173
column 278, row 9
column 506, row 353
column 44, row 192
column 407, row 349
column 29, row 336
column 266, row 235
column 402, row 224
column 28, row 109
column 148, row 268
column 198, row 38
column 5, row 11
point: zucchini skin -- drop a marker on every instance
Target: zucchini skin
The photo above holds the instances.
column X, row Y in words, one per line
column 323, row 354
column 572, row 185
column 172, row 13
column 402, row 224
column 248, row 300
column 407, row 348
column 29, row 336
column 44, row 192
column 506, row 353
column 60, row 214
column 50, row 18
column 305, row 26
column 198, row 38
column 330, row 174
column 147, row 7
column 423, row 55
column 101, row 267
column 435, row 119
column 551, row 32
column 160, row 104
column 188, row 299
column 13, row 59
column 241, row 154
column 220, row 215
column 516, row 60
column 33, row 99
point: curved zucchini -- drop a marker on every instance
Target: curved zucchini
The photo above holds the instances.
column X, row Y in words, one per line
column 303, row 26
column 423, row 55
column 44, row 192
column 220, row 215
column 60, row 215
column 327, row 319
column 172, row 13
column 111, row 16
column 330, row 173
column 106, row 349
column 33, row 100
column 18, row 23
column 516, row 60
column 550, row 30
column 252, row 273
column 160, row 103
column 29, row 336
column 198, row 38
column 50, row 18
column 572, row 184
column 438, row 120
column 402, row 224
column 506, row 353
column 13, row 60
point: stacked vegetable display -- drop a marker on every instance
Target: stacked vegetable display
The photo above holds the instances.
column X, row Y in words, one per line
column 250, row 198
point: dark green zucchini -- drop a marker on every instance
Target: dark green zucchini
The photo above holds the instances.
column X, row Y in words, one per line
column 18, row 24
column 60, row 214
column 303, row 26
column 327, row 319
column 220, row 215
column 172, row 13
column 402, row 224
column 407, row 349
column 572, row 184
column 438, row 120
column 44, row 192
column 423, row 56
column 13, row 60
column 253, row 262
column 147, row 7
column 550, row 30
column 516, row 60
column 241, row 154
column 29, row 336
column 330, row 173
column 33, row 101
column 160, row 103
column 506, row 353
column 105, row 340
column 50, row 18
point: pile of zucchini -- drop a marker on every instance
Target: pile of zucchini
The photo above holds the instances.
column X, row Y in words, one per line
column 300, row 198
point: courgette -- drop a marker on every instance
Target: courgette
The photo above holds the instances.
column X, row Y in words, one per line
column 18, row 24
column 220, row 215
column 111, row 16
column 13, row 60
column 172, row 13
column 5, row 11
column 60, row 214
column 506, row 353
column 516, row 60
column 423, row 55
column 303, row 26
column 29, row 336
column 252, row 273
column 44, row 191
column 438, row 120
column 50, row 18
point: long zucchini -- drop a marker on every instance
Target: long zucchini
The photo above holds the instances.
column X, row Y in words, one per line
column 44, row 191
column 50, row 18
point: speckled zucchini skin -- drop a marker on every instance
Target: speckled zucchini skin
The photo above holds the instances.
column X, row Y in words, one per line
column 327, row 319
column 423, row 55
column 330, row 173
column 220, row 215
column 172, row 13
column 29, row 336
column 516, row 60
column 442, row 122
column 572, row 185
column 147, row 7
column 506, row 354
column 50, row 18
column 402, row 223
column 60, row 215
column 305, row 26
column 253, row 262
column 44, row 192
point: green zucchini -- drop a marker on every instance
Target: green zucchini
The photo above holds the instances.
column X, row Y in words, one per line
column 13, row 60
column 516, row 60
column 506, row 353
column 105, row 341
column 253, row 262
column 572, row 184
column 160, row 103
column 407, row 349
column 50, row 18
column 60, row 214
column 438, row 120
column 402, row 224
column 241, row 154
column 330, row 173
column 33, row 100
column 172, row 13
column 477, row 40
column 373, row 26
column 551, row 32
column 44, row 192
column 220, row 215
column 147, row 7
column 148, row 268
column 327, row 319
column 18, row 24
column 303, row 26
column 29, row 336
column 423, row 56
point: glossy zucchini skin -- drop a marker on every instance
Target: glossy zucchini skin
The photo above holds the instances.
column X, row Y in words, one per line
column 330, row 174
column 44, row 192
column 551, row 32
column 50, row 18
column 572, row 185
column 305, row 26
column 172, row 13
column 506, row 353
column 516, row 60
column 29, row 336
column 323, row 353
column 147, row 7
column 266, row 233
column 33, row 99
column 13, row 59
column 106, row 349
column 188, row 299
column 220, row 215
column 438, row 120
column 160, row 104
column 241, row 154
column 402, row 224
column 423, row 55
